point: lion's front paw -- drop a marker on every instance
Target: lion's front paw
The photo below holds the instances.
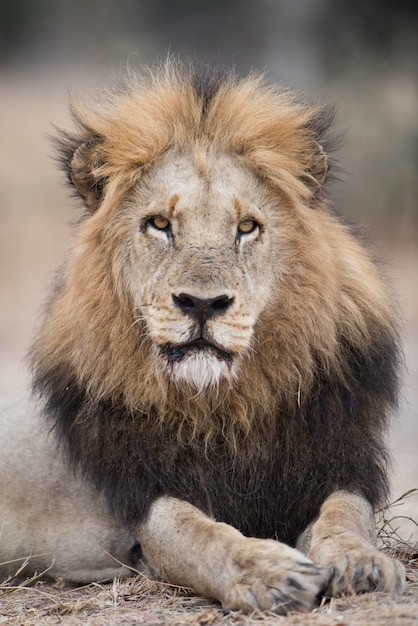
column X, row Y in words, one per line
column 267, row 575
column 357, row 566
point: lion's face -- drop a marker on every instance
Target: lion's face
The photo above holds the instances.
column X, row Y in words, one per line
column 200, row 269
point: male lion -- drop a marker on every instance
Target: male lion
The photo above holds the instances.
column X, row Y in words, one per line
column 219, row 357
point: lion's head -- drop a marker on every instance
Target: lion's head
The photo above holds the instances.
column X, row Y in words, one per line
column 203, row 208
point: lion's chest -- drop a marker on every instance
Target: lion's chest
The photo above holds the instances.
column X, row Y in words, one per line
column 269, row 496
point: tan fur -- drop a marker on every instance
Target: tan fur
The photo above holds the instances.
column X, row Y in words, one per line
column 219, row 562
column 51, row 521
column 250, row 574
column 343, row 538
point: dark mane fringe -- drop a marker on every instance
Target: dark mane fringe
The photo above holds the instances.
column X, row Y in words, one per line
column 207, row 81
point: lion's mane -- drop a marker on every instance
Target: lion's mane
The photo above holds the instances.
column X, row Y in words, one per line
column 308, row 410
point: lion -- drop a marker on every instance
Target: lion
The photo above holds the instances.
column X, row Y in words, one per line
column 219, row 358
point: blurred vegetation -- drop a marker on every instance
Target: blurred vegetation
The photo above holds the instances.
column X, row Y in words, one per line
column 338, row 29
column 361, row 54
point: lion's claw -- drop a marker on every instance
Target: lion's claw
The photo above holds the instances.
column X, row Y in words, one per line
column 357, row 567
column 273, row 577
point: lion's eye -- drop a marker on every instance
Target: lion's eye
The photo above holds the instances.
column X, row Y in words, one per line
column 245, row 227
column 159, row 222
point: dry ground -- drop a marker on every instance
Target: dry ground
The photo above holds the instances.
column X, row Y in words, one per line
column 141, row 601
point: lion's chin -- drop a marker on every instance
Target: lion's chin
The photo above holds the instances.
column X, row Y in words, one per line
column 200, row 369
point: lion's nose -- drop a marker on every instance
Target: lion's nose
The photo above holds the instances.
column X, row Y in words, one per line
column 202, row 308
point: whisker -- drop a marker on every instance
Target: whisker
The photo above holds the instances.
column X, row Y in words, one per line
column 136, row 320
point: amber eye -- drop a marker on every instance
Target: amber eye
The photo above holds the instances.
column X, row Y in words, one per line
column 159, row 222
column 245, row 227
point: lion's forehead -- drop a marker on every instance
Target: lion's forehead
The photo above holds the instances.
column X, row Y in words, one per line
column 212, row 188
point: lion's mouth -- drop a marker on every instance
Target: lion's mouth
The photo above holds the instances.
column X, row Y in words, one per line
column 176, row 353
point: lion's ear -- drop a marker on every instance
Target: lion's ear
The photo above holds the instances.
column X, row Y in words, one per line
column 84, row 167
column 319, row 128
column 84, row 172
column 316, row 172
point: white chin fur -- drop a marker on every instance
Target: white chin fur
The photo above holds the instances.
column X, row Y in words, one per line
column 200, row 370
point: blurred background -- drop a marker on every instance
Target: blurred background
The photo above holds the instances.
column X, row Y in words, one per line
column 362, row 56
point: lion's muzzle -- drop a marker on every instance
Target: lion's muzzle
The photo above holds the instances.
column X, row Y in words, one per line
column 201, row 361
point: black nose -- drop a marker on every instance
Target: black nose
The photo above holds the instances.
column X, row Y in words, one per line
column 202, row 308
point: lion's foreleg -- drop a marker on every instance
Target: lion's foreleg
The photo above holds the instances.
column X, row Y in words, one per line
column 343, row 539
column 188, row 548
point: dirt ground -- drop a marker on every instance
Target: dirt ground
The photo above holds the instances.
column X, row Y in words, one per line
column 34, row 234
column 140, row 601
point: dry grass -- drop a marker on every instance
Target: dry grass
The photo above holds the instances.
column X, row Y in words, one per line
column 139, row 600
column 36, row 601
column 391, row 539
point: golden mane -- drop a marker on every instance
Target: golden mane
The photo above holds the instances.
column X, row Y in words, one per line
column 274, row 133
